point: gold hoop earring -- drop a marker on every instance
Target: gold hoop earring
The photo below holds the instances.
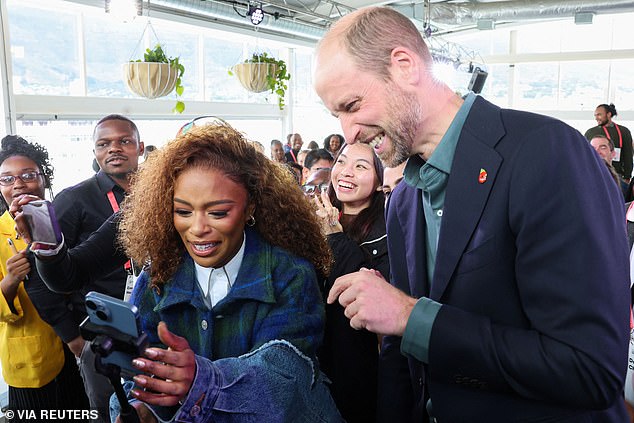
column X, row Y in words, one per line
column 251, row 221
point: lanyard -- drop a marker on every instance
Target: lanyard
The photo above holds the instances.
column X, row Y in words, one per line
column 293, row 155
column 618, row 130
column 115, row 208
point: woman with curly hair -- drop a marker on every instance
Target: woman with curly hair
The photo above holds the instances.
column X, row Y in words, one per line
column 36, row 364
column 232, row 251
column 232, row 247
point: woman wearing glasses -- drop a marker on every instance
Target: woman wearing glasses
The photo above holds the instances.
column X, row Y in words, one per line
column 39, row 369
column 351, row 216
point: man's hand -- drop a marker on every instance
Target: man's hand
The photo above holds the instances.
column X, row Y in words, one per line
column 76, row 345
column 174, row 370
column 371, row 303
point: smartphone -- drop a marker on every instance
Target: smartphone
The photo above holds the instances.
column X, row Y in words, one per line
column 120, row 321
column 40, row 217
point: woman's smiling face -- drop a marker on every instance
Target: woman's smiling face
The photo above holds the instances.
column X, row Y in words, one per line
column 210, row 212
column 353, row 177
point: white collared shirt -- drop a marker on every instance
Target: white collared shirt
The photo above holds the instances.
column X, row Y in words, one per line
column 219, row 280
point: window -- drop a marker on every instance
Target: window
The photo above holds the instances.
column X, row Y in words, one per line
column 104, row 61
column 621, row 84
column 220, row 56
column 536, row 85
column 496, row 86
column 47, row 60
column 178, row 40
column 302, row 79
column 583, row 85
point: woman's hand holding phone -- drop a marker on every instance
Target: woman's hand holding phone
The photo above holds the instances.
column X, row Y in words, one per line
column 21, row 225
column 174, row 370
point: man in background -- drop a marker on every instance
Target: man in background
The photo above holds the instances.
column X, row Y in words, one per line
column 620, row 136
column 296, row 145
column 316, row 160
column 605, row 149
column 81, row 209
column 392, row 176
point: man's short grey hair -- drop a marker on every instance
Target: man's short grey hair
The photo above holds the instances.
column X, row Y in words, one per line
column 369, row 35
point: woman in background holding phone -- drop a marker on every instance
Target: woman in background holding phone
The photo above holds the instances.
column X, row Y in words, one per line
column 351, row 214
column 40, row 370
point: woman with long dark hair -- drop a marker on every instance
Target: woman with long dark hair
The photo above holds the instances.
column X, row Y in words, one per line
column 351, row 213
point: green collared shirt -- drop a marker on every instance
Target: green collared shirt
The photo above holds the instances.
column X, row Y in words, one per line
column 431, row 178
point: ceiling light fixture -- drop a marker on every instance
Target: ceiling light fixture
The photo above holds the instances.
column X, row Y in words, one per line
column 584, row 18
column 255, row 14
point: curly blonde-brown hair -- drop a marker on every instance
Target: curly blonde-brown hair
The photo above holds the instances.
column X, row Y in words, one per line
column 283, row 216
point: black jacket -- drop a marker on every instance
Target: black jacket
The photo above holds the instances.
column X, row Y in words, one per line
column 81, row 210
column 349, row 357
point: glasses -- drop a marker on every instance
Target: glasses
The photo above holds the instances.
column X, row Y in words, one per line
column 27, row 177
column 200, row 121
column 309, row 189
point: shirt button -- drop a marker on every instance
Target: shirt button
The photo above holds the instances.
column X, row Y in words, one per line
column 439, row 213
column 203, row 324
column 194, row 411
column 375, row 252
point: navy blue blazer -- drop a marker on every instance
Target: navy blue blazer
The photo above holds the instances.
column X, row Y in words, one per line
column 532, row 272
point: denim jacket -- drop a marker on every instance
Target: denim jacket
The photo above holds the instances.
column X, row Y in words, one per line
column 275, row 297
column 274, row 383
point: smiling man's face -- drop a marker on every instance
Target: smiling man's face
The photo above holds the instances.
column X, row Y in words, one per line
column 370, row 110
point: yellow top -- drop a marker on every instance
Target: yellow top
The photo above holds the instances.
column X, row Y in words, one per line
column 30, row 351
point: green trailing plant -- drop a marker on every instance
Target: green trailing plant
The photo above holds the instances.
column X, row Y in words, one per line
column 276, row 81
column 157, row 55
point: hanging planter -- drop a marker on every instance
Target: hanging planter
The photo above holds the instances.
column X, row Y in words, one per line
column 253, row 76
column 156, row 76
column 150, row 80
column 262, row 73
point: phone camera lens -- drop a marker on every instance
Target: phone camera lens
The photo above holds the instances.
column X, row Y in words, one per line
column 91, row 305
column 102, row 315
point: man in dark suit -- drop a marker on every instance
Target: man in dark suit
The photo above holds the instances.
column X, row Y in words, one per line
column 509, row 261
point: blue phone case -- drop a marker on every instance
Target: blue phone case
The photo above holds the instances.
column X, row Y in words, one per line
column 104, row 310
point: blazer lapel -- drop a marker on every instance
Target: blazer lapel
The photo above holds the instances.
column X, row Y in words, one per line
column 472, row 176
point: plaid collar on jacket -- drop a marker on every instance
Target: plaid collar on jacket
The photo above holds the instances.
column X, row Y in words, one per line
column 275, row 296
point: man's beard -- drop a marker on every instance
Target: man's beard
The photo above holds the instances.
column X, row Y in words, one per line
column 120, row 175
column 403, row 118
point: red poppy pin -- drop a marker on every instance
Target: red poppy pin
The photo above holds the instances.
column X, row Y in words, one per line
column 482, row 178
